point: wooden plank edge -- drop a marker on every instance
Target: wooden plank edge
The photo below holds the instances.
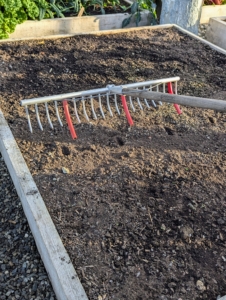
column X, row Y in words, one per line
column 72, row 25
column 211, row 45
column 102, row 32
column 209, row 11
column 58, row 265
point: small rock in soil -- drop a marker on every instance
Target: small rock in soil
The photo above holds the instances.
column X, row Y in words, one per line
column 186, row 232
column 200, row 286
column 65, row 170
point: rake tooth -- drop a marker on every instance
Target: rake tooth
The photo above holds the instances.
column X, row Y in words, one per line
column 164, row 87
column 100, row 104
column 28, row 119
column 145, row 100
column 138, row 101
column 84, row 109
column 76, row 113
column 108, row 105
column 116, row 104
column 131, row 103
column 38, row 118
column 92, row 107
column 152, row 101
column 157, row 90
column 48, row 116
column 57, row 113
column 175, row 88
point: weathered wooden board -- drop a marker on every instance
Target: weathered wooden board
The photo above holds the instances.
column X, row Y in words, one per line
column 74, row 25
column 56, row 260
column 210, row 11
column 216, row 32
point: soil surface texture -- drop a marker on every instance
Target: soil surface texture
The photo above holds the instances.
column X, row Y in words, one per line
column 140, row 210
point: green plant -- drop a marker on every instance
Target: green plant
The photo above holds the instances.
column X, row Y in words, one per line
column 44, row 9
column 95, row 3
column 136, row 8
column 114, row 4
column 60, row 7
column 13, row 12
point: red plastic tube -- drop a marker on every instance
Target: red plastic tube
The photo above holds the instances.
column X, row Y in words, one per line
column 68, row 119
column 126, row 110
column 170, row 91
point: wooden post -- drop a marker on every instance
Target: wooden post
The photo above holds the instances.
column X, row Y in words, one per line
column 185, row 13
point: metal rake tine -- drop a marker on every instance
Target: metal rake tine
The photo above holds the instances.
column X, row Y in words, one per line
column 57, row 113
column 92, row 107
column 131, row 103
column 145, row 100
column 100, row 104
column 152, row 101
column 76, row 112
column 164, row 87
column 175, row 88
column 157, row 90
column 138, row 101
column 84, row 109
column 28, row 119
column 38, row 118
column 48, row 116
column 116, row 104
column 108, row 105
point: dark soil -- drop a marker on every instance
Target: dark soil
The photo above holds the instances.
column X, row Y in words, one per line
column 142, row 210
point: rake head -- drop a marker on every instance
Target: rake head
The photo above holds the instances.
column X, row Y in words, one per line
column 104, row 96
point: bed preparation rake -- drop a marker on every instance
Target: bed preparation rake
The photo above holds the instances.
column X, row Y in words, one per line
column 153, row 90
column 109, row 95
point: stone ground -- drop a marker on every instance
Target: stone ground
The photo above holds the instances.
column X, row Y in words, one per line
column 202, row 30
column 22, row 273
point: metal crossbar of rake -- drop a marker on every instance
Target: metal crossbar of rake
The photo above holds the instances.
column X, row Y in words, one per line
column 89, row 95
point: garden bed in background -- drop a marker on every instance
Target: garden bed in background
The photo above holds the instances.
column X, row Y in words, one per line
column 95, row 22
column 211, row 11
column 216, row 32
column 141, row 211
column 74, row 25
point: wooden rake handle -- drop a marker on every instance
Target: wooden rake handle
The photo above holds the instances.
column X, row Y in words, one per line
column 179, row 99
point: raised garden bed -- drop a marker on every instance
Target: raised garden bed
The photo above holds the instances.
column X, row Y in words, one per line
column 73, row 25
column 211, row 11
column 216, row 32
column 141, row 211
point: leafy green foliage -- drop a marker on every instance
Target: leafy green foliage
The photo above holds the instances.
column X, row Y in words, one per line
column 13, row 12
column 126, row 21
column 136, row 8
column 114, row 4
column 62, row 7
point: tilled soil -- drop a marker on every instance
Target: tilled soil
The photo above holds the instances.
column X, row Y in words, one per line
column 140, row 210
